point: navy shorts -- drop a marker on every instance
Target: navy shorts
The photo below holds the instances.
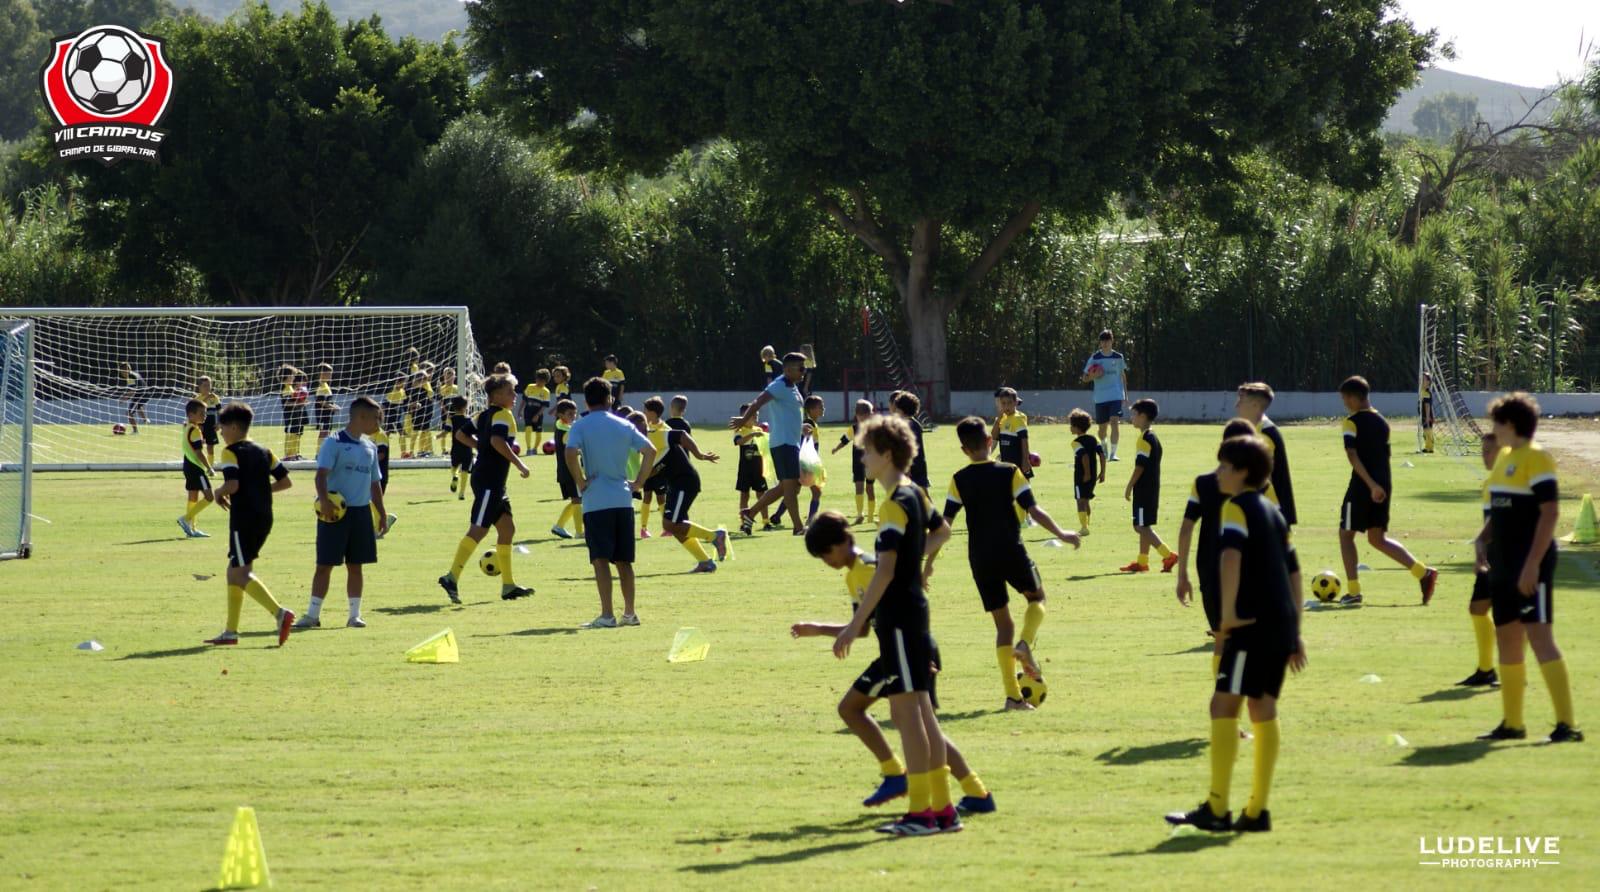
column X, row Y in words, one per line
column 348, row 540
column 609, row 533
column 1104, row 412
column 786, row 462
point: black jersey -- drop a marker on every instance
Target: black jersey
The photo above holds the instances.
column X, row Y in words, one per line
column 1522, row 481
column 1149, row 458
column 1086, row 445
column 1205, row 506
column 255, row 468
column 1281, row 486
column 680, row 424
column 677, row 466
column 991, row 492
column 461, row 423
column 1368, row 434
column 919, row 462
column 1255, row 528
column 491, row 468
column 904, row 521
column 855, row 451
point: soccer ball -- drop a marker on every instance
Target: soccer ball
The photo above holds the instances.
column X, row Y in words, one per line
column 488, row 564
column 516, row 448
column 1034, row 690
column 119, row 429
column 300, row 394
column 1326, row 586
column 108, row 70
column 1097, row 370
column 549, row 447
column 766, row 428
column 338, row 507
column 1033, row 459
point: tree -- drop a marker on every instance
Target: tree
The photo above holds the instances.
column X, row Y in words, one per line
column 1441, row 117
column 936, row 134
column 21, row 54
column 289, row 135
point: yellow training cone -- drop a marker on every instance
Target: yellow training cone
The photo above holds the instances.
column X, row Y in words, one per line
column 1585, row 533
column 688, row 646
column 441, row 648
column 244, row 862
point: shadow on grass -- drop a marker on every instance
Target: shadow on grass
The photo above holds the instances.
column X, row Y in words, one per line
column 1187, row 748
column 163, row 654
column 887, row 724
column 1197, row 649
column 1450, row 695
column 1086, row 576
column 535, row 633
column 614, row 577
column 153, row 541
column 1180, row 845
column 411, row 609
column 857, row 826
column 782, row 857
column 433, row 501
column 792, row 834
column 1446, row 754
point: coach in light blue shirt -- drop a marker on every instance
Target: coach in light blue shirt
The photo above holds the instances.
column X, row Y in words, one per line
column 604, row 442
column 1108, row 369
column 788, row 418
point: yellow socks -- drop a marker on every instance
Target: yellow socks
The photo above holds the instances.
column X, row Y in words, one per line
column 693, row 546
column 1427, row 438
column 891, row 766
column 1483, row 631
column 194, row 509
column 1083, row 520
column 1266, row 756
column 861, row 499
column 972, row 785
column 1163, row 550
column 502, row 556
column 1353, row 587
column 940, row 782
column 464, row 551
column 919, row 788
column 1008, row 671
column 235, row 603
column 1418, row 569
column 259, row 592
column 644, row 514
column 697, row 531
column 1144, row 559
column 1513, row 679
column 577, row 517
column 565, row 513
column 1216, row 663
column 1032, row 619
column 1555, row 678
column 872, row 507
column 1224, row 748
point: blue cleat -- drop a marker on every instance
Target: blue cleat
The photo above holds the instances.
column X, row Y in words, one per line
column 972, row 805
column 893, row 787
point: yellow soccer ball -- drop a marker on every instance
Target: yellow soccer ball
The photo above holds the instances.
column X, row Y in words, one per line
column 1034, row 690
column 1326, row 586
column 488, row 564
column 338, row 507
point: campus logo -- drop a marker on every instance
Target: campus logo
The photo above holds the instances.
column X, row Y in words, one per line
column 1489, row 852
column 107, row 89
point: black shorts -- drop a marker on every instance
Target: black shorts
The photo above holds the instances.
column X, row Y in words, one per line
column 609, row 533
column 785, row 462
column 1427, row 411
column 1512, row 606
column 393, row 417
column 1104, row 412
column 677, row 502
column 294, row 420
column 1211, row 602
column 1083, row 491
column 246, row 536
column 327, row 414
column 194, row 478
column 879, row 677
column 751, row 476
column 532, row 419
column 1359, row 513
column 657, row 484
column 858, row 471
column 992, row 573
column 349, row 540
column 208, row 429
column 1250, row 670
column 422, row 418
column 568, row 486
column 488, row 505
column 1144, row 510
column 138, row 401
column 1481, row 589
column 461, row 457
column 907, row 654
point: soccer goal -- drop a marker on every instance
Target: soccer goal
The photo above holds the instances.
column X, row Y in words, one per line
column 109, row 384
column 1455, row 432
column 16, row 466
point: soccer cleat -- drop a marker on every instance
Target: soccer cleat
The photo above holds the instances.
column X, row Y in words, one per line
column 308, row 622
column 1427, row 583
column 1480, row 678
column 560, row 532
column 720, row 542
column 1564, row 733
column 462, row 495
column 183, row 524
column 453, row 483
column 355, row 622
column 513, row 592
column 199, row 533
column 857, row 521
column 1135, row 567
column 1168, row 562
column 1114, row 458
column 774, row 524
column 1018, row 705
column 1259, row 824
column 628, row 619
column 644, row 533
column 949, row 819
column 1350, row 601
column 747, row 523
column 892, row 787
column 972, row 805
column 1024, row 657
column 600, row 622
column 923, row 824
column 225, row 638
column 1501, row 732
column 1203, row 818
column 1083, row 532
column 448, row 583
column 705, row 567
column 285, row 625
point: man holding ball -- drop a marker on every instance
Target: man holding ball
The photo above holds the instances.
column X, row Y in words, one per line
column 1108, row 369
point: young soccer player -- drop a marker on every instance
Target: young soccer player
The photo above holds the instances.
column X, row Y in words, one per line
column 675, row 408
column 448, row 390
column 1251, row 404
column 811, row 368
column 566, row 414
column 752, row 474
column 419, row 426
column 1483, row 592
column 605, row 442
column 560, row 384
column 250, row 475
column 1088, row 466
column 463, row 440
column 770, row 364
column 394, row 409
column 205, row 393
column 138, row 397
column 323, row 406
column 814, row 480
column 992, row 492
column 293, row 400
column 1144, row 491
column 1108, row 369
column 413, row 361
column 535, row 401
column 655, row 487
column 896, row 603
column 491, row 506
column 347, row 466
column 1425, row 406
column 614, row 377
column 858, row 474
column 907, row 405
column 1011, row 433
column 196, row 469
column 430, row 402
column 829, row 539
column 1367, row 499
column 1260, row 631
column 1517, row 548
column 683, row 486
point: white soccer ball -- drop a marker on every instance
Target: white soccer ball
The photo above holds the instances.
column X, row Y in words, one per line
column 108, row 70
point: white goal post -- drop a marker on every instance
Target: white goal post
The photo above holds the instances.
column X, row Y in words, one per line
column 109, row 384
column 1454, row 429
column 16, row 456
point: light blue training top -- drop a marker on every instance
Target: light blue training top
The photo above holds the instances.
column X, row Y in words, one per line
column 606, row 441
column 1108, row 387
column 352, row 466
column 788, row 412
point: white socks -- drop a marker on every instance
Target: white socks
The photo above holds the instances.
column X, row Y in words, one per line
column 315, row 610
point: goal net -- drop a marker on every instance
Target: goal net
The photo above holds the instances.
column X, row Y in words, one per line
column 16, row 471
column 1453, row 429
column 110, row 385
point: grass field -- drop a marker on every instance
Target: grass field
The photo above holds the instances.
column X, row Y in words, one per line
column 554, row 758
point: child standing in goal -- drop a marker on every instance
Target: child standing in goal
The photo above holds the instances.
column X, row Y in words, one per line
column 293, row 399
column 858, row 474
column 250, row 476
column 326, row 409
column 207, row 394
column 196, row 469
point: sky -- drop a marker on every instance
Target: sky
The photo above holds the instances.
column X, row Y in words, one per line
column 1530, row 43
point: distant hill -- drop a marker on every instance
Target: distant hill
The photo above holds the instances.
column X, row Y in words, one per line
column 425, row 19
column 1498, row 103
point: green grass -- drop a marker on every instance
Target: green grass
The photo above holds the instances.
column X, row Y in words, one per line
column 550, row 758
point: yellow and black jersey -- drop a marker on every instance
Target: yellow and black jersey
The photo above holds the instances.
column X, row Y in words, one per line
column 1251, row 526
column 904, row 520
column 657, row 434
column 447, row 391
column 563, row 391
column 1149, row 458
column 1367, row 433
column 1010, row 431
column 1523, row 480
column 193, row 445
column 991, row 492
column 1282, row 487
column 396, row 397
column 254, row 468
column 619, row 382
column 212, row 401
column 1086, row 459
column 535, row 399
column 1206, row 499
column 491, row 468
column 858, row 576
column 773, row 368
column 381, row 440
column 1425, row 391
column 748, row 439
column 324, row 391
column 1483, row 493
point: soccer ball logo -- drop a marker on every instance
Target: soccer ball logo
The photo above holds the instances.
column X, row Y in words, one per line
column 108, row 70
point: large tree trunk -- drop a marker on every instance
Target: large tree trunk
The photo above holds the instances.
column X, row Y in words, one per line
column 928, row 318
